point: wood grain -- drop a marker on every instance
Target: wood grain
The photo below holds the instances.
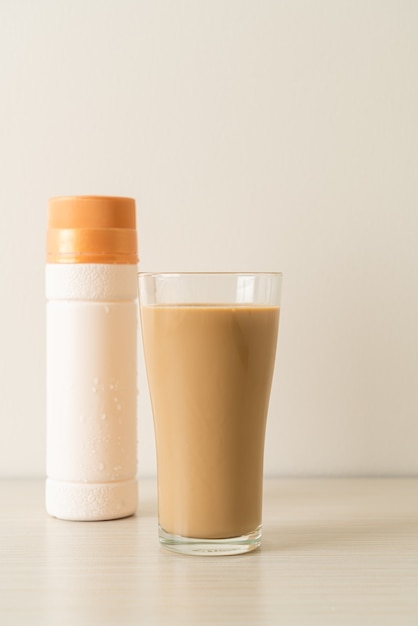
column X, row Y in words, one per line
column 335, row 551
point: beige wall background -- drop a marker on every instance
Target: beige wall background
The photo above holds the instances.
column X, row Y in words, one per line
column 256, row 135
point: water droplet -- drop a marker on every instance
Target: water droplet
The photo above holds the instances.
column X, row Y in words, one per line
column 101, row 467
column 94, row 389
column 103, row 416
column 119, row 407
column 107, row 309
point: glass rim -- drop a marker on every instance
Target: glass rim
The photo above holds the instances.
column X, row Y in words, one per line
column 231, row 274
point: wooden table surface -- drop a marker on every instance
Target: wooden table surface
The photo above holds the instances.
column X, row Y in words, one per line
column 335, row 551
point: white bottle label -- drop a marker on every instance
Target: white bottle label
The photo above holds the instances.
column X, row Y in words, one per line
column 91, row 389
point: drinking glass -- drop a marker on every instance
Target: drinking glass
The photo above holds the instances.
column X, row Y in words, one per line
column 209, row 344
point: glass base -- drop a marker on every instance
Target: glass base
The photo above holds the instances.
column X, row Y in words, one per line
column 210, row 547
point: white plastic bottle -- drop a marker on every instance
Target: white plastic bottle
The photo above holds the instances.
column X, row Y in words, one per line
column 91, row 290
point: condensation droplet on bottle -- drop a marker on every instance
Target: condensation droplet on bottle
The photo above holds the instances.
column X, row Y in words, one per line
column 107, row 309
column 103, row 416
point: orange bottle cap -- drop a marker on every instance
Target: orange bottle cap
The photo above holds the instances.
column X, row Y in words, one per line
column 91, row 229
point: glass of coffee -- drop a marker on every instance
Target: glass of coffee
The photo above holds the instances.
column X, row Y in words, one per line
column 210, row 343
